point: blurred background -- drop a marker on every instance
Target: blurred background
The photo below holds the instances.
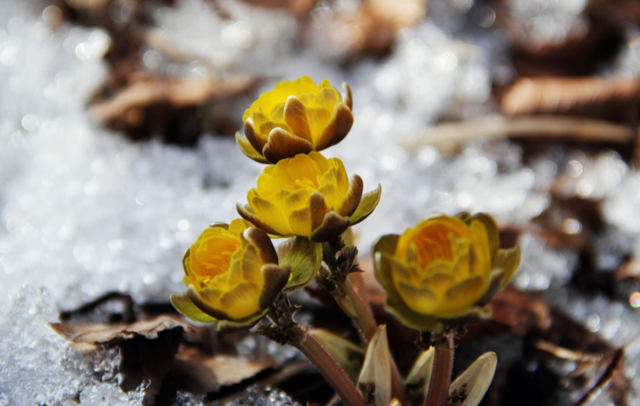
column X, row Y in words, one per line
column 116, row 149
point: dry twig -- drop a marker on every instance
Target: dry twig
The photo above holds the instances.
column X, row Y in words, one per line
column 577, row 129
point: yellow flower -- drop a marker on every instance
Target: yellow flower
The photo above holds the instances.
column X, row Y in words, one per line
column 296, row 117
column 444, row 270
column 232, row 276
column 308, row 196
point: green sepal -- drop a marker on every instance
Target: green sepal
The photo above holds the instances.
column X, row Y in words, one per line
column 220, row 325
column 304, row 257
column 188, row 309
column 368, row 204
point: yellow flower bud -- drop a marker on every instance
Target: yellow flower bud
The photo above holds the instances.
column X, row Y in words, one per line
column 296, row 117
column 444, row 270
column 308, row 196
column 232, row 276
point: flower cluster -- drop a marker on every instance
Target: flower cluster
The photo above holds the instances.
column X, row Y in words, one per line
column 442, row 272
column 438, row 275
column 233, row 273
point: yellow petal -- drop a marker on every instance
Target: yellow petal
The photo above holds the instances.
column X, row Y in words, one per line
column 508, row 260
column 242, row 301
column 463, row 295
column 300, row 222
column 269, row 213
column 418, row 298
column 303, row 169
column 295, row 115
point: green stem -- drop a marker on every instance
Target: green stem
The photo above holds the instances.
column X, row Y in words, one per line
column 363, row 317
column 441, row 374
column 359, row 311
column 327, row 366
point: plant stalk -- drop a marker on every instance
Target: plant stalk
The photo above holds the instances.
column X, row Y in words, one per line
column 360, row 312
column 441, row 374
column 327, row 366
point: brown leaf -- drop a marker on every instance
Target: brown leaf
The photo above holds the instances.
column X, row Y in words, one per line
column 299, row 8
column 102, row 333
column 179, row 93
column 202, row 373
column 610, row 98
column 373, row 27
column 520, row 312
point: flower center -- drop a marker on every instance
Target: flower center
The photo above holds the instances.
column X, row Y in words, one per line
column 213, row 258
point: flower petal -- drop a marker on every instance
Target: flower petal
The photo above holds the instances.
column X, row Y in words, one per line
column 268, row 212
column 300, row 222
column 295, row 115
column 352, row 199
column 241, row 301
column 337, row 128
column 246, row 213
column 508, row 260
column 462, row 296
column 204, row 305
column 187, row 308
column 256, row 139
column 249, row 150
column 318, row 210
column 261, row 241
column 348, row 96
column 274, row 278
column 282, row 144
column 332, row 226
column 421, row 299
column 384, row 249
column 493, row 233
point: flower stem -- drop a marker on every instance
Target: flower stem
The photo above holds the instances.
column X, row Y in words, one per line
column 441, row 374
column 327, row 366
column 284, row 330
column 363, row 317
column 356, row 308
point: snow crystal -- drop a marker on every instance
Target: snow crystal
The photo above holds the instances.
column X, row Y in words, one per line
column 39, row 367
column 543, row 267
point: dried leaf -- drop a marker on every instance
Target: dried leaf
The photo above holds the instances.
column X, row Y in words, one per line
column 588, row 96
column 179, row 93
column 102, row 333
column 520, row 312
column 372, row 27
column 197, row 372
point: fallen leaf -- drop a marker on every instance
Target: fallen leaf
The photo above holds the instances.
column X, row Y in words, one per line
column 102, row 333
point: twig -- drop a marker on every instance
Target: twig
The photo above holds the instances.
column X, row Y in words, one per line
column 604, row 380
column 578, row 129
column 565, row 353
